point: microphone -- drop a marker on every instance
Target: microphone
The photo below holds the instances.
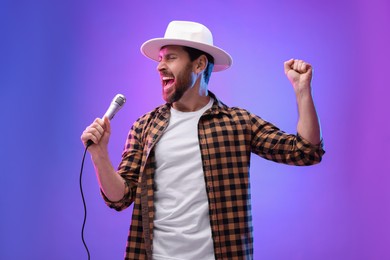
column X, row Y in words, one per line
column 116, row 104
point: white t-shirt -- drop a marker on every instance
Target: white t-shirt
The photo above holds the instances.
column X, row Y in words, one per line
column 182, row 224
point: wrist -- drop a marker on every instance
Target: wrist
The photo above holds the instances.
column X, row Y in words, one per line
column 98, row 154
column 303, row 92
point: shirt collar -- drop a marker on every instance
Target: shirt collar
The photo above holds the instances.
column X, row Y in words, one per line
column 217, row 107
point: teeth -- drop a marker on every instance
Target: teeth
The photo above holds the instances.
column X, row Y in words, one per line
column 167, row 78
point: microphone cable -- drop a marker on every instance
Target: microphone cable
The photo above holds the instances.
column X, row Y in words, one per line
column 84, row 204
column 116, row 104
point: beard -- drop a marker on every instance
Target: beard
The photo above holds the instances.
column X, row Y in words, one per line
column 183, row 82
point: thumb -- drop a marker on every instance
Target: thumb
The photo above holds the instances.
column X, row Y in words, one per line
column 288, row 65
column 107, row 124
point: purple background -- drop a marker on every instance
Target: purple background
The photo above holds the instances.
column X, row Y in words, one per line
column 63, row 61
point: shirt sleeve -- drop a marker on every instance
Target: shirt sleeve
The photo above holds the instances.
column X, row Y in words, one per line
column 271, row 143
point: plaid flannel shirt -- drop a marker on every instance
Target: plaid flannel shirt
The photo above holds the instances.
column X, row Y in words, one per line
column 227, row 136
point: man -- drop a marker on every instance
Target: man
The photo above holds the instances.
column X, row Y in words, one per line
column 186, row 163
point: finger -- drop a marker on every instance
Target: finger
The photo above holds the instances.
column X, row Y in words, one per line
column 93, row 132
column 298, row 65
column 91, row 137
column 305, row 67
column 99, row 121
column 309, row 68
column 98, row 127
column 302, row 67
column 86, row 136
column 98, row 133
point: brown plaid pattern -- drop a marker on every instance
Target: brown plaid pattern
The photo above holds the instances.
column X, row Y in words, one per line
column 227, row 136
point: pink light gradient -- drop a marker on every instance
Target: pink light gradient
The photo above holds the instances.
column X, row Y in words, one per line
column 63, row 62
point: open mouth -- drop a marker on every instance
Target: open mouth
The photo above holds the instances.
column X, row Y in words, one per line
column 168, row 81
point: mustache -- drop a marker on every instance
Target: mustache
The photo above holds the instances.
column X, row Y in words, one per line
column 166, row 73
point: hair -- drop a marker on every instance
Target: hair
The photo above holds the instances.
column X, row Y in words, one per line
column 194, row 54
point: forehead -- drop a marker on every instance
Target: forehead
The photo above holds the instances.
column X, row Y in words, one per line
column 171, row 49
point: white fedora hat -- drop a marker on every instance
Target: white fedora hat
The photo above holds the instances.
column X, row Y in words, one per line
column 190, row 34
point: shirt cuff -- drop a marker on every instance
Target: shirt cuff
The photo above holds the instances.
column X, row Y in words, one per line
column 306, row 146
column 120, row 203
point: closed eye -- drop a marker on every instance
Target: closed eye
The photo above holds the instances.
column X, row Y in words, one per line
column 171, row 57
column 167, row 57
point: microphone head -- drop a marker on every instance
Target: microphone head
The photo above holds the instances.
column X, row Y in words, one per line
column 116, row 104
column 120, row 99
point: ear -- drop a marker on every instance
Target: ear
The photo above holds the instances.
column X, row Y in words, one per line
column 200, row 63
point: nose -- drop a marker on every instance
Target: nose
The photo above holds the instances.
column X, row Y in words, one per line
column 160, row 66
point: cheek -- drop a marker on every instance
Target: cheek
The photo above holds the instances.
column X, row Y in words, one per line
column 193, row 78
column 183, row 73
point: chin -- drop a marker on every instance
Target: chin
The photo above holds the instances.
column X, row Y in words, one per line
column 168, row 99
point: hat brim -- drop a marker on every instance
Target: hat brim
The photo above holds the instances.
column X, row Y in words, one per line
column 222, row 60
